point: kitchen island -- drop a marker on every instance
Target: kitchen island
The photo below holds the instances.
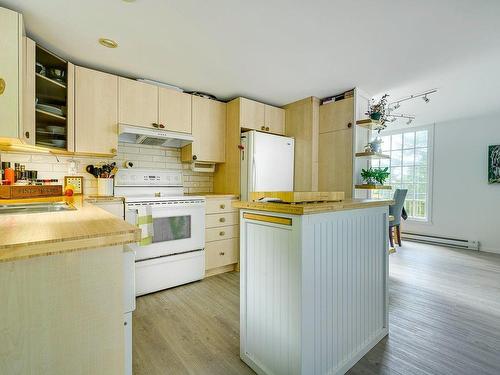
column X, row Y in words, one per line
column 65, row 290
column 313, row 284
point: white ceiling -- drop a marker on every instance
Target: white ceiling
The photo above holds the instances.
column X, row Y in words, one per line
column 284, row 50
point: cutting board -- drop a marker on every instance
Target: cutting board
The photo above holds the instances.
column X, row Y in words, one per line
column 299, row 196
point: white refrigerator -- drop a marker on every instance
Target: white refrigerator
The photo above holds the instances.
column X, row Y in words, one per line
column 266, row 163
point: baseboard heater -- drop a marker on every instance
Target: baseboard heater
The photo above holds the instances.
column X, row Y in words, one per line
column 439, row 240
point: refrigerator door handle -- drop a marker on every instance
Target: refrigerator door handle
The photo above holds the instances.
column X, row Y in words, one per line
column 254, row 174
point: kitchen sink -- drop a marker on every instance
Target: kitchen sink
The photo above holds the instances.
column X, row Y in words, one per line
column 35, row 208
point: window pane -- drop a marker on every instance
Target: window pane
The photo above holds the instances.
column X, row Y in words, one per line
column 409, row 140
column 409, row 187
column 421, row 188
column 397, row 141
column 408, row 157
column 396, row 158
column 421, row 156
column 385, row 163
column 386, row 143
column 421, row 174
column 395, row 174
column 421, row 138
column 407, row 175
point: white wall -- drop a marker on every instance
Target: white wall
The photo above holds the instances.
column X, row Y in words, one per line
column 464, row 204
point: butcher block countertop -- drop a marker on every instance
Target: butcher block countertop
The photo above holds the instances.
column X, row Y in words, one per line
column 38, row 234
column 312, row 208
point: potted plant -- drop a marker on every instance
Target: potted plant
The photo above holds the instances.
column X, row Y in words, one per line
column 377, row 110
column 375, row 176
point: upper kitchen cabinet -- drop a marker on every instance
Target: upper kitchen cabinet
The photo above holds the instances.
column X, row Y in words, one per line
column 174, row 110
column 259, row 116
column 336, row 138
column 11, row 74
column 138, row 103
column 274, row 119
column 96, row 112
column 252, row 114
column 208, row 129
column 338, row 115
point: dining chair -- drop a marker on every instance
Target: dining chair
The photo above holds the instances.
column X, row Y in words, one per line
column 396, row 210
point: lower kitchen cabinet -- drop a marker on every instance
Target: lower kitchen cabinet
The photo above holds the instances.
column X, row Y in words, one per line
column 222, row 234
column 209, row 132
column 96, row 112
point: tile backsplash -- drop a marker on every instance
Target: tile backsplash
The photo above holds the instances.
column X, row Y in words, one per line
column 48, row 166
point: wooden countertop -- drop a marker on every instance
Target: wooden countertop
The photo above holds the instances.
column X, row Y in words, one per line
column 30, row 235
column 312, row 208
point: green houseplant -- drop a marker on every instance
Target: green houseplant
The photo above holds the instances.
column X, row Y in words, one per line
column 377, row 110
column 374, row 176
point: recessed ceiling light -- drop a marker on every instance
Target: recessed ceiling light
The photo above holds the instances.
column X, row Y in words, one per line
column 108, row 43
column 128, row 1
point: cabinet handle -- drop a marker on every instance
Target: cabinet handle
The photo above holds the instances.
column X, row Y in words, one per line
column 155, row 125
column 221, row 253
column 113, row 150
column 222, row 233
column 222, row 219
column 27, row 134
column 262, row 128
column 162, row 126
column 267, row 128
column 124, row 323
column 195, row 157
column 349, row 125
column 2, row 86
column 222, row 206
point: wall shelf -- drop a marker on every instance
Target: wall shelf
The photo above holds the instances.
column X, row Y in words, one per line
column 372, row 155
column 369, row 124
column 373, row 187
column 47, row 116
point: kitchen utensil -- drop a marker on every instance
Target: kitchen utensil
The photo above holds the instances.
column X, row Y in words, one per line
column 40, row 69
column 58, row 142
column 56, row 73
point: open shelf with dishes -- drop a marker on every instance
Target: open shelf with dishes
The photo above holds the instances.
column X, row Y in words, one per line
column 369, row 124
column 51, row 93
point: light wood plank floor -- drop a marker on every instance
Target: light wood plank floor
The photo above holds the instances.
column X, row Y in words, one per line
column 444, row 319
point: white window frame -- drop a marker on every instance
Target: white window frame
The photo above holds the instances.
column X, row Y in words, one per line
column 430, row 165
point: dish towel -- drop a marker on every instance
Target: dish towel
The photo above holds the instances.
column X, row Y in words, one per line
column 144, row 221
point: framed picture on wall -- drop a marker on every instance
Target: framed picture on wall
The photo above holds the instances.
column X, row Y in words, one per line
column 494, row 164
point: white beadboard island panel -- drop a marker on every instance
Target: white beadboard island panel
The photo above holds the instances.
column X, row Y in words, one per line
column 313, row 294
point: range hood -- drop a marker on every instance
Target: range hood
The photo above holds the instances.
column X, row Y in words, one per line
column 152, row 137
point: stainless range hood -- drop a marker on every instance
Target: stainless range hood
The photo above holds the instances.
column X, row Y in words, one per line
column 152, row 137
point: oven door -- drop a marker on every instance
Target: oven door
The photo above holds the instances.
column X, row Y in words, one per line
column 178, row 227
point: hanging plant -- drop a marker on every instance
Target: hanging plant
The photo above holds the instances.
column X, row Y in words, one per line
column 378, row 111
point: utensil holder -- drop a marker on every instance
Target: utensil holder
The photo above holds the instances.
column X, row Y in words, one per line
column 105, row 187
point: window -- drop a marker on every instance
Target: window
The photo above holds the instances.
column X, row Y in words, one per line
column 410, row 166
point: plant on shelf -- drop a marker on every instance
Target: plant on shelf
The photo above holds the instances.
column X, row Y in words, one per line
column 378, row 111
column 374, row 176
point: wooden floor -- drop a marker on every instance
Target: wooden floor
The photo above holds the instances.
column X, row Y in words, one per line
column 444, row 319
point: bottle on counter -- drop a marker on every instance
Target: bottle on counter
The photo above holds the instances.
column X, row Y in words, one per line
column 9, row 174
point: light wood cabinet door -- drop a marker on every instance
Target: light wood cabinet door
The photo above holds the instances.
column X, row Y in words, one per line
column 209, row 132
column 335, row 162
column 28, row 131
column 11, row 60
column 337, row 115
column 96, row 112
column 275, row 120
column 174, row 110
column 138, row 103
column 252, row 114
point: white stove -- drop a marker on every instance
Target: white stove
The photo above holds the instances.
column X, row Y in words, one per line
column 171, row 251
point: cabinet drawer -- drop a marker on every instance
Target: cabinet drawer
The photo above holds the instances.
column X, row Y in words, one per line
column 218, row 206
column 218, row 220
column 222, row 233
column 221, row 253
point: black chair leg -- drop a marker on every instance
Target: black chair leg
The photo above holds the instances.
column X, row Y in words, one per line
column 391, row 239
column 398, row 232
